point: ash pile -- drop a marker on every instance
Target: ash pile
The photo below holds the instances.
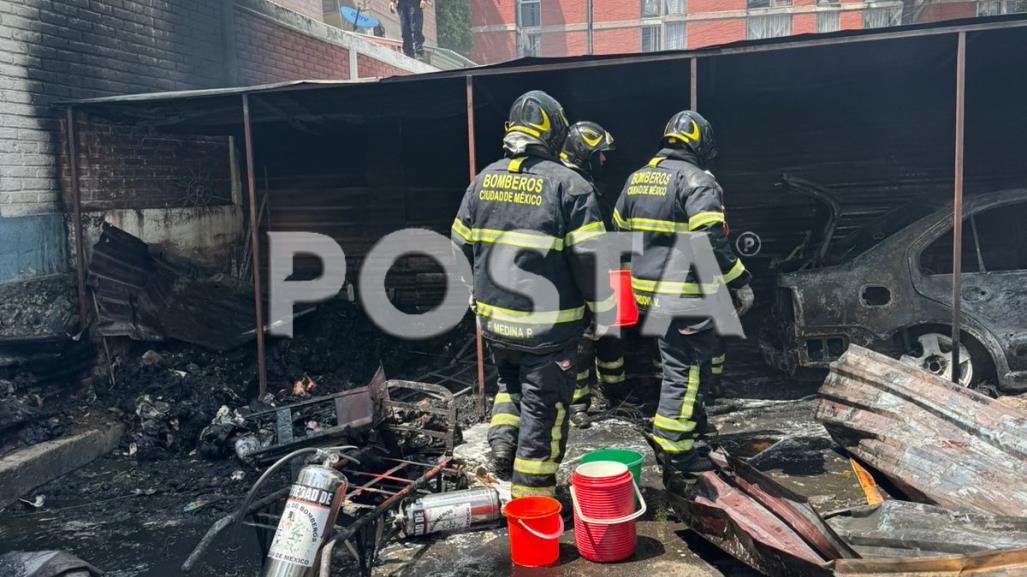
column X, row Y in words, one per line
column 175, row 358
column 42, row 358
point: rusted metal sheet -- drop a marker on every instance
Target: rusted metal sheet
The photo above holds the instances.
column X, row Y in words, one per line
column 987, row 564
column 898, row 529
column 756, row 520
column 937, row 441
column 149, row 296
column 759, row 522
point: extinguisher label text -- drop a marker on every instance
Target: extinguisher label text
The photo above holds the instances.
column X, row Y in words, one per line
column 300, row 532
column 312, row 494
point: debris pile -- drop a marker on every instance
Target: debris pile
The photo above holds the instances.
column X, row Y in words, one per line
column 956, row 460
column 179, row 397
column 41, row 358
column 941, row 443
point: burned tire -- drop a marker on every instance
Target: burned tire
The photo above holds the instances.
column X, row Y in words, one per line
column 931, row 350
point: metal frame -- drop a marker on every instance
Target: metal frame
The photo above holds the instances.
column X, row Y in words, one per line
column 693, row 57
column 76, row 199
column 957, row 206
column 258, row 298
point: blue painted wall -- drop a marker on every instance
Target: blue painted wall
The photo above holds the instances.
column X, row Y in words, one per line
column 32, row 246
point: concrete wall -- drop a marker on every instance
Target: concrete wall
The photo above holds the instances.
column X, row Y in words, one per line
column 56, row 50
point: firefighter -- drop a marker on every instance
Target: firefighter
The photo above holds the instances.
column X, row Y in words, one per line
column 530, row 226
column 600, row 359
column 675, row 194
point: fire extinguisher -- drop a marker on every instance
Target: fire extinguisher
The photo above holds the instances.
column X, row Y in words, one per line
column 309, row 514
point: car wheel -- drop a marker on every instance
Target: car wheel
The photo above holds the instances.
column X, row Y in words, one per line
column 932, row 352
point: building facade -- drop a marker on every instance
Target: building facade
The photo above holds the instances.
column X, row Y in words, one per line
column 57, row 51
column 508, row 29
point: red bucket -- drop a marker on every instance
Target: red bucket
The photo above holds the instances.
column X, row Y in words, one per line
column 535, row 526
column 604, row 511
column 627, row 311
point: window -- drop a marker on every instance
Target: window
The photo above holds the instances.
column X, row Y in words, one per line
column 529, row 44
column 827, row 21
column 997, row 7
column 987, row 244
column 769, row 3
column 674, row 36
column 651, row 8
column 650, row 38
column 769, row 26
column 673, row 7
column 882, row 17
column 529, row 13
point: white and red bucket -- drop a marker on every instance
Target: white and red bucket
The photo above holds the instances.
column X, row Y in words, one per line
column 603, row 493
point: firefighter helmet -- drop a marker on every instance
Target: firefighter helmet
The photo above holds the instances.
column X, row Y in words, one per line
column 584, row 141
column 690, row 130
column 539, row 117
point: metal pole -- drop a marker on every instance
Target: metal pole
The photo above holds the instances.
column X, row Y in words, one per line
column 472, row 169
column 957, row 207
column 695, row 84
column 589, row 27
column 76, row 199
column 258, row 299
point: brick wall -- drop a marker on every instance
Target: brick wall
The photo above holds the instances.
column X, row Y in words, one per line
column 136, row 167
column 710, row 32
column 368, row 67
column 56, row 50
column 804, row 23
column 948, row 11
column 268, row 52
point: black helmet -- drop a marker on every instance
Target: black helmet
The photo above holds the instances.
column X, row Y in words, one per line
column 584, row 141
column 690, row 130
column 538, row 118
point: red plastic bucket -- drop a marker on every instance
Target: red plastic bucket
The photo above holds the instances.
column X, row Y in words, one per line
column 603, row 493
column 535, row 526
column 627, row 311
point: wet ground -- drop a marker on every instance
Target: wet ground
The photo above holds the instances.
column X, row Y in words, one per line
column 136, row 519
column 141, row 519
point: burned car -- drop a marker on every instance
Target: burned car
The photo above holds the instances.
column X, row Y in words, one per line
column 888, row 286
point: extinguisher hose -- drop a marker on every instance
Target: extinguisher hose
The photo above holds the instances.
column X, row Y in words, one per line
column 241, row 513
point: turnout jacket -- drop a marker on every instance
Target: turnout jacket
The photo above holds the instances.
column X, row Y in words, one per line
column 547, row 215
column 673, row 196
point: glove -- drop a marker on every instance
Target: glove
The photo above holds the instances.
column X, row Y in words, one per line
column 424, row 4
column 392, row 7
column 743, row 298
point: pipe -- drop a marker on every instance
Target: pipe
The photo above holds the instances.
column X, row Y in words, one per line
column 472, row 169
column 76, row 199
column 694, row 85
column 258, row 298
column 957, row 207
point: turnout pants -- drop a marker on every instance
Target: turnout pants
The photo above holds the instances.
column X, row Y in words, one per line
column 687, row 369
column 717, row 370
column 411, row 22
column 530, row 412
column 599, row 362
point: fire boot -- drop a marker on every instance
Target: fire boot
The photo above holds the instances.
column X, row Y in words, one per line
column 682, row 471
column 579, row 418
column 502, row 459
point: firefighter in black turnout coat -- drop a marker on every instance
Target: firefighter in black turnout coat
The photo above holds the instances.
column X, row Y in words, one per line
column 673, row 195
column 600, row 358
column 530, row 227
